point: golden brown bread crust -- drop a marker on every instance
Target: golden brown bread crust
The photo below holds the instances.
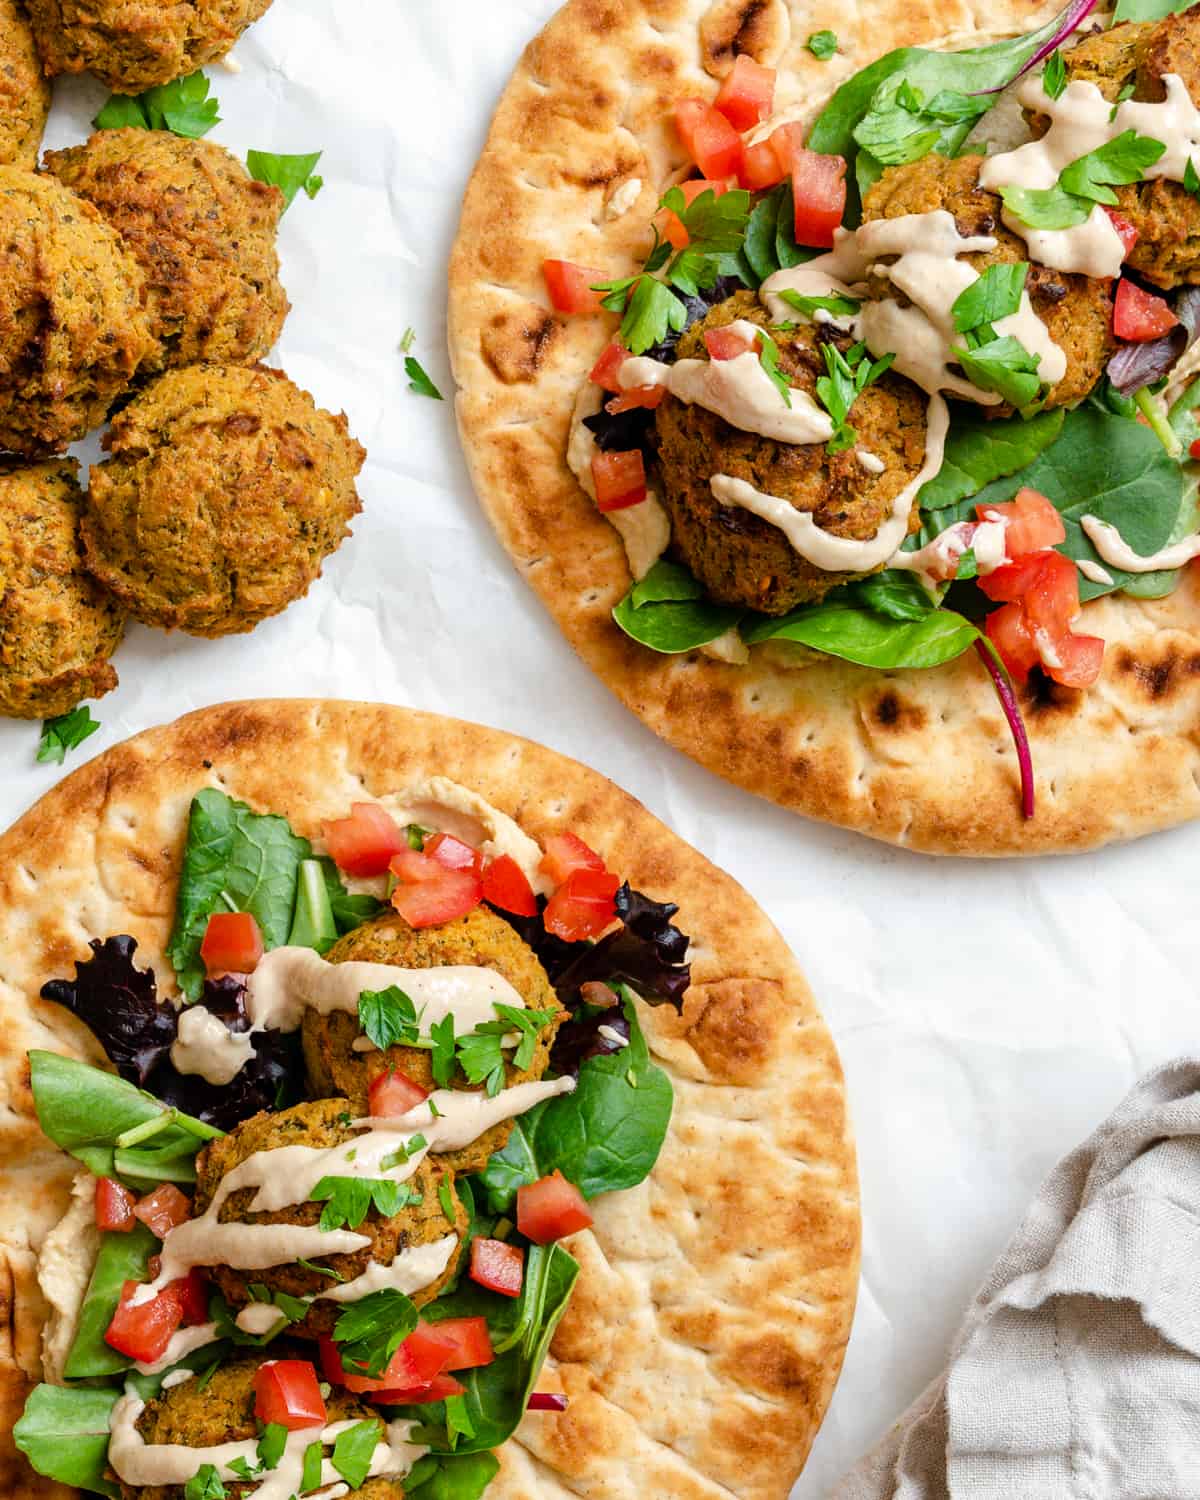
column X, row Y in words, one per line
column 706, row 1334
column 921, row 759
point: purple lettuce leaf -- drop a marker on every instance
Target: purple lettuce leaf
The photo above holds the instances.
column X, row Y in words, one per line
column 1134, row 366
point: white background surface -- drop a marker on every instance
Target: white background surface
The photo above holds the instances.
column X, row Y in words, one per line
column 988, row 1015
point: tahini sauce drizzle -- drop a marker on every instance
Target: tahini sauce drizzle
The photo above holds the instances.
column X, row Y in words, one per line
column 1117, row 552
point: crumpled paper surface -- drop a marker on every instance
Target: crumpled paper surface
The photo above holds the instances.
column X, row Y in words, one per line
column 988, row 1014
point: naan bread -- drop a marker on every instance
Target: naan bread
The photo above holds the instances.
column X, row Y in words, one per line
column 707, row 1330
column 922, row 759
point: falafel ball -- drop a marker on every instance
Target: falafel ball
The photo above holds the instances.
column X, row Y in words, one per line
column 24, row 92
column 481, row 938
column 1136, row 54
column 73, row 324
column 132, row 45
column 742, row 559
column 323, row 1124
column 226, row 490
column 58, row 626
column 1077, row 310
column 202, row 230
column 199, row 1414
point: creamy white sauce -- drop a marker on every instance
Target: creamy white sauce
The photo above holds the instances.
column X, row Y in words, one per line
column 870, row 461
column 412, row 1270
column 936, row 561
column 64, row 1270
column 1093, row 570
column 738, row 390
column 623, row 198
column 1081, row 121
column 645, row 529
column 259, row 1317
column 611, row 1034
column 183, row 1341
column 837, row 273
column 837, row 554
column 206, row 1046
column 143, row 1464
column 440, row 803
column 230, row 64
column 1117, row 552
column 177, row 1377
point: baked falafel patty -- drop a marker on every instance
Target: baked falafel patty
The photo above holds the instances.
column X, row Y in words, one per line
column 201, row 1414
column 740, row 558
column 202, row 230
column 133, row 45
column 482, row 939
column 321, row 1124
column 1136, row 54
column 58, row 626
column 73, row 324
column 1077, row 310
column 24, row 91
column 226, row 490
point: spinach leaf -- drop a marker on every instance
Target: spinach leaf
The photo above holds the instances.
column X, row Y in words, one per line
column 122, row 1258
column 895, row 593
column 666, row 611
column 836, row 129
column 497, row 1394
column 978, row 451
column 770, row 243
column 603, row 1137
column 64, row 1433
column 1148, row 10
column 451, row 1476
column 1106, row 466
column 87, row 1111
column 840, row 628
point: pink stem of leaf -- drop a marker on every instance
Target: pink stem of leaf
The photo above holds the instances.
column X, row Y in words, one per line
column 990, row 658
column 546, row 1401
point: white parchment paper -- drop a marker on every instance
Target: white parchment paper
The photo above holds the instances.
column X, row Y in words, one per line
column 988, row 1015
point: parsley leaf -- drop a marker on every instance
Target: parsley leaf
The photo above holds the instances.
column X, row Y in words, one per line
column 651, row 309
column 1054, row 75
column 67, row 732
column 182, row 107
column 310, row 1477
column 995, row 295
column 373, row 1328
column 288, row 173
column 822, row 44
column 848, row 375
column 272, row 1444
column 768, row 357
column 1045, row 208
column 1126, row 93
column 482, row 1060
column 441, row 1059
column 1003, row 365
column 1191, row 179
column 350, row 1199
column 1123, row 159
column 834, row 304
column 446, row 1198
column 205, row 1484
column 242, row 1469
column 308, row 1265
column 354, row 1449
column 387, row 1017
column 715, row 224
column 418, row 381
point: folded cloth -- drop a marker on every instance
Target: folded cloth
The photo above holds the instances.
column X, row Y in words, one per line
column 1076, row 1375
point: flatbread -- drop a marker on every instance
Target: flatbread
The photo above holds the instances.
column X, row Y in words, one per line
column 921, row 759
column 707, row 1330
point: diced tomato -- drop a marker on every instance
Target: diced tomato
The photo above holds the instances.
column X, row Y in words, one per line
column 551, row 1208
column 648, row 396
column 466, row 1342
column 711, row 141
column 363, row 843
column 1128, row 232
column 1033, row 523
column 505, row 886
column 418, row 1360
column 570, row 286
column 1037, row 624
column 114, row 1207
column 670, row 225
column 1139, row 316
column 498, row 1266
column 143, row 1332
column 286, row 1392
column 564, row 852
column 725, row 343
column 444, row 849
column 1194, row 448
column 1012, row 581
column 619, row 478
column 163, row 1209
column 232, row 943
column 761, row 167
column 747, row 93
column 393, row 1094
column 818, row 187
column 429, row 894
column 1080, row 658
column 1008, row 630
column 1052, row 599
column 192, row 1292
column 438, row 1389
column 604, row 371
column 583, row 906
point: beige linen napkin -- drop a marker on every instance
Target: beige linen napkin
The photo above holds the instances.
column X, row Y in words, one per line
column 1076, row 1374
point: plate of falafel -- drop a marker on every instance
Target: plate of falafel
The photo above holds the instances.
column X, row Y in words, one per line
column 396, row 1108
column 833, row 386
column 140, row 293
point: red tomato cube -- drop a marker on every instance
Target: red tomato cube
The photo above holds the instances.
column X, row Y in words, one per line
column 761, row 167
column 747, row 93
column 437, row 1389
column 232, row 943
column 192, row 1293
column 498, row 1266
column 1139, row 316
column 393, row 1094
column 286, row 1392
column 725, row 343
column 570, row 287
column 163, row 1209
column 113, row 1207
column 818, row 187
column 428, row 893
column 605, row 370
column 505, row 886
column 583, row 906
column 564, row 852
column 619, row 479
column 710, row 140
column 465, row 1342
column 143, row 1332
column 444, row 849
column 648, row 396
column 363, row 843
column 1033, row 523
column 551, row 1208
column 1008, row 630
column 1128, row 232
column 670, row 225
column 1079, row 660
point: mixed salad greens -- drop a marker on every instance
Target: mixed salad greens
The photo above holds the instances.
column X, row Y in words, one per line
column 139, row 1129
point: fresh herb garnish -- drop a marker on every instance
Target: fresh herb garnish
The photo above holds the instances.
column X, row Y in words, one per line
column 848, row 375
column 308, row 1265
column 836, row 305
column 1126, row 93
column 768, row 357
column 480, row 1053
column 67, row 732
column 373, row 1328
column 288, row 173
column 272, row 1444
column 182, row 107
column 650, row 310
column 993, row 295
column 822, row 44
column 1003, row 365
column 458, row 1421
column 387, row 1017
column 310, row 1476
column 441, row 1057
column 413, row 832
column 446, row 1198
column 1084, row 182
column 205, row 1483
column 350, row 1199
column 354, row 1449
column 418, row 381
column 1054, row 75
column 1191, row 178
